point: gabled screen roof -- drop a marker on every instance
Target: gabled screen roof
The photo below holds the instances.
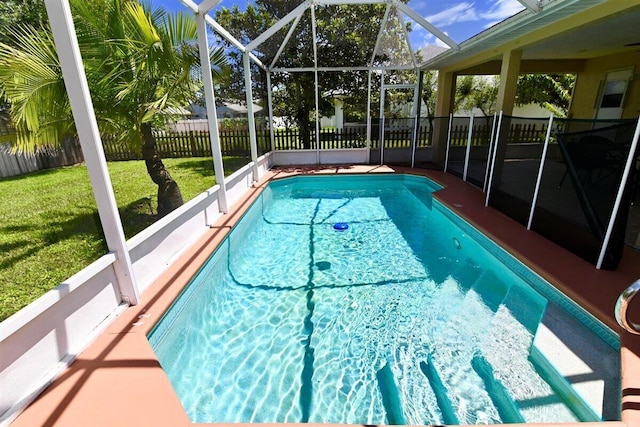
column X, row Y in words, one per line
column 394, row 33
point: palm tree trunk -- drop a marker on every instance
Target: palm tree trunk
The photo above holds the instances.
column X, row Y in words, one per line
column 169, row 196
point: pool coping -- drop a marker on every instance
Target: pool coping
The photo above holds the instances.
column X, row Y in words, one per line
column 119, row 381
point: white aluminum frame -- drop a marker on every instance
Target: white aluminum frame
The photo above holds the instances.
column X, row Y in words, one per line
column 486, row 172
column 493, row 159
column 75, row 79
column 210, row 103
column 295, row 15
column 540, row 171
column 467, row 153
column 73, row 71
column 623, row 184
column 446, row 153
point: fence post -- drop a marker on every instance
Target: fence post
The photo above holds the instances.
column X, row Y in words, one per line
column 270, row 104
column 446, row 154
column 623, row 184
column 493, row 159
column 468, row 152
column 486, row 172
column 539, row 180
column 194, row 147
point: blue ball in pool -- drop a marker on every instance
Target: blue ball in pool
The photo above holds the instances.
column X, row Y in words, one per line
column 340, row 226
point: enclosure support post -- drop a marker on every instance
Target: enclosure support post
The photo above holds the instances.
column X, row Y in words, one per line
column 212, row 120
column 540, row 171
column 381, row 119
column 509, row 73
column 270, row 102
column 315, row 77
column 493, row 160
column 468, row 152
column 623, row 183
column 75, row 79
column 251, row 119
column 446, row 153
column 369, row 118
column 417, row 105
column 486, row 170
column 444, row 106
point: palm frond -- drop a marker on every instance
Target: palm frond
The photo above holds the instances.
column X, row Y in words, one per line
column 32, row 82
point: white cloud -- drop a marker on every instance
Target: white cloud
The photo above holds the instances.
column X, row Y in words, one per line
column 441, row 43
column 468, row 12
column 417, row 30
column 429, row 39
column 461, row 12
column 418, row 5
column 501, row 10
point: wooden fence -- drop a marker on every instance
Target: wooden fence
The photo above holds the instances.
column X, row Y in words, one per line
column 235, row 142
column 519, row 133
column 13, row 164
column 193, row 143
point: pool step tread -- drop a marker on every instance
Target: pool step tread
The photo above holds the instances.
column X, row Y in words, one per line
column 526, row 305
column 507, row 339
column 466, row 275
column 491, row 289
column 585, row 365
column 562, row 387
column 390, row 395
column 506, row 406
column 449, row 415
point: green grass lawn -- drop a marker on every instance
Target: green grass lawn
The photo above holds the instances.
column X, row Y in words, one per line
column 49, row 227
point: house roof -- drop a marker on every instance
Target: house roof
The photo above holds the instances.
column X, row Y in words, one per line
column 237, row 107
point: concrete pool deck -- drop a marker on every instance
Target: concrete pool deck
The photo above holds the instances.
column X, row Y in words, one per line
column 118, row 380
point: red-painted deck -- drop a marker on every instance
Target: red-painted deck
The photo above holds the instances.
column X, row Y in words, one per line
column 118, row 381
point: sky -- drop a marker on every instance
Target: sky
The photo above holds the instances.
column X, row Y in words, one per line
column 459, row 19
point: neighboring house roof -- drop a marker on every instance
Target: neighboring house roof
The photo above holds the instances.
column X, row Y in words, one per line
column 237, row 108
column 431, row 51
column 223, row 108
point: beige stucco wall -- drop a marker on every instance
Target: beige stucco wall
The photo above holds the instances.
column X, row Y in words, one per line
column 595, row 70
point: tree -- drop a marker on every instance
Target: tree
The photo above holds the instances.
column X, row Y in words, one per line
column 14, row 13
column 345, row 37
column 551, row 91
column 476, row 92
column 139, row 63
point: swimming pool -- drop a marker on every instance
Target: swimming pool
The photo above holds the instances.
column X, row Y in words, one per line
column 409, row 316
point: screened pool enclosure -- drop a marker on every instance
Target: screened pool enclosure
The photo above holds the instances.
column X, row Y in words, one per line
column 568, row 180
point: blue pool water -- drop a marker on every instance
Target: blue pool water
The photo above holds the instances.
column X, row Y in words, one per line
column 406, row 316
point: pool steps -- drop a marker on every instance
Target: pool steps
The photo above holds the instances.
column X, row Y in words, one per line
column 528, row 308
column 506, row 406
column 561, row 386
column 449, row 416
column 390, row 395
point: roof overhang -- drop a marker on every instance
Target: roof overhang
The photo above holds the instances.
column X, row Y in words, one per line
column 567, row 32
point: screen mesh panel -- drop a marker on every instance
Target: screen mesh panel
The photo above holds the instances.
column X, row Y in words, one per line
column 579, row 185
column 458, row 145
column 479, row 153
column 518, row 155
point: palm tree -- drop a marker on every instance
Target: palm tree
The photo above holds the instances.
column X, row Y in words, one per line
column 140, row 64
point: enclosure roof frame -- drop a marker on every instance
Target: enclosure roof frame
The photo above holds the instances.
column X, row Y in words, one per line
column 296, row 14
